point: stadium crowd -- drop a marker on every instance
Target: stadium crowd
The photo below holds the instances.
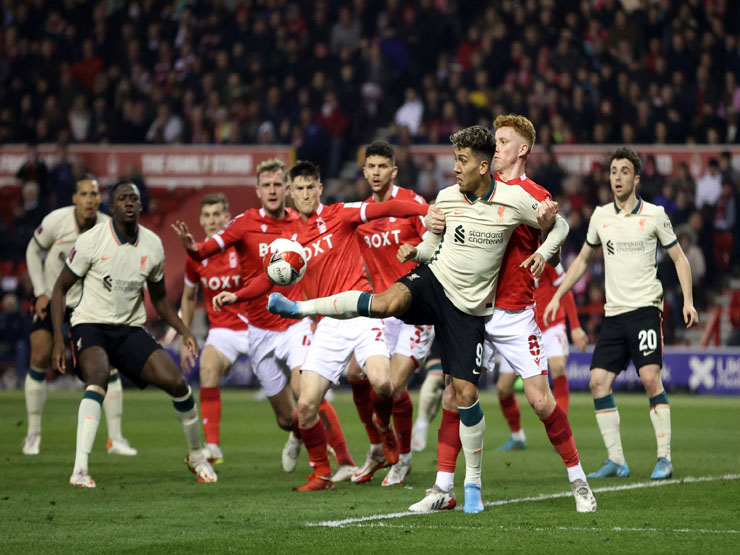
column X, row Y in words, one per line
column 325, row 77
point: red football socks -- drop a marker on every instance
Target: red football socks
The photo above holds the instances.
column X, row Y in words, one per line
column 448, row 441
column 363, row 402
column 210, row 408
column 510, row 408
column 561, row 436
column 334, row 433
column 403, row 421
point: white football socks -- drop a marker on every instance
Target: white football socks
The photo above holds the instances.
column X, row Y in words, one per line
column 341, row 306
column 660, row 415
column 187, row 412
column 608, row 421
column 113, row 406
column 35, row 392
column 88, row 418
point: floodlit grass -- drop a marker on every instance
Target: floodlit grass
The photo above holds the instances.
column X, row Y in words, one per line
column 151, row 503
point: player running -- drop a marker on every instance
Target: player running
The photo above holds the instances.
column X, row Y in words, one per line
column 228, row 336
column 118, row 259
column 276, row 346
column 408, row 345
column 457, row 288
column 555, row 345
column 630, row 230
column 47, row 250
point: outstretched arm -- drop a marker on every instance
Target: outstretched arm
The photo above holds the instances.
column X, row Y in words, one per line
column 258, row 286
column 574, row 273
column 158, row 296
column 690, row 316
column 58, row 305
column 390, row 208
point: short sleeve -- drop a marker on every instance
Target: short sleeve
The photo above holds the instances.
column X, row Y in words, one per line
column 592, row 235
column 418, row 221
column 156, row 274
column 82, row 255
column 191, row 272
column 44, row 233
column 664, row 229
column 527, row 208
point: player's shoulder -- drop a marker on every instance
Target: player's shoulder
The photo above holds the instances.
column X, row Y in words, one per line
column 402, row 193
column 149, row 238
column 451, row 193
column 534, row 189
column 59, row 215
column 650, row 209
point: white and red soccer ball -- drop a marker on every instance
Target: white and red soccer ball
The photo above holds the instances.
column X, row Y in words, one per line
column 285, row 262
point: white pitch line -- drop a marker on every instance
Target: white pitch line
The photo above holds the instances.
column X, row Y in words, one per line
column 551, row 529
column 541, row 497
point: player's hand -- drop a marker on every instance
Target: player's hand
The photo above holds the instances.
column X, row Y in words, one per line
column 435, row 220
column 551, row 311
column 224, row 298
column 59, row 356
column 690, row 315
column 187, row 360
column 580, row 339
column 406, row 252
column 188, row 353
column 42, row 306
column 546, row 212
column 187, row 239
column 535, row 263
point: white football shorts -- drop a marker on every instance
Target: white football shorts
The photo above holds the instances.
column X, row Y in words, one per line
column 515, row 336
column 334, row 342
column 275, row 353
column 555, row 339
column 410, row 341
column 228, row 342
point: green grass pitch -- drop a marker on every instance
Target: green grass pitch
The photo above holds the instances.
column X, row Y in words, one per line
column 152, row 504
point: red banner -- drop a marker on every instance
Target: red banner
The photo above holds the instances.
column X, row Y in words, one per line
column 161, row 166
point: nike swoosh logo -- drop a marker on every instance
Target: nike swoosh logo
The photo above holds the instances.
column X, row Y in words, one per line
column 606, row 225
column 648, row 353
column 104, row 258
column 476, row 373
column 457, row 212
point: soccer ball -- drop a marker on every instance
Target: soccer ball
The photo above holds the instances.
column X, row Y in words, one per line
column 285, row 262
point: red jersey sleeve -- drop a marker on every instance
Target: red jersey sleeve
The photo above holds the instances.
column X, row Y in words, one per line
column 361, row 212
column 191, row 272
column 231, row 234
column 568, row 302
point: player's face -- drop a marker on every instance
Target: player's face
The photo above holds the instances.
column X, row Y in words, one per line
column 86, row 199
column 126, row 206
column 468, row 170
column 623, row 179
column 213, row 217
column 379, row 172
column 509, row 147
column 306, row 194
column 271, row 190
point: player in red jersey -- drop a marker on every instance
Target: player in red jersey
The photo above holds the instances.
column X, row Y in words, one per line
column 228, row 336
column 555, row 343
column 512, row 331
column 275, row 345
column 408, row 345
column 335, row 265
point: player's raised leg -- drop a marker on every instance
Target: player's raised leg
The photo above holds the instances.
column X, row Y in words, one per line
column 607, row 417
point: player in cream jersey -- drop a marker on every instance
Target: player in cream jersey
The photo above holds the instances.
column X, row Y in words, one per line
column 47, row 250
column 458, row 285
column 117, row 259
column 630, row 231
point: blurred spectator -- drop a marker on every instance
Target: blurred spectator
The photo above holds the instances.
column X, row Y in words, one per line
column 62, row 177
column 409, row 114
column 166, row 128
column 430, row 179
column 408, row 172
column 729, row 173
column 13, row 337
column 651, row 182
column 34, row 169
column 26, row 218
column 709, row 186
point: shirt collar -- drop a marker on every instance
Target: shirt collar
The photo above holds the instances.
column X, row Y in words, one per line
column 134, row 240
column 636, row 210
column 471, row 198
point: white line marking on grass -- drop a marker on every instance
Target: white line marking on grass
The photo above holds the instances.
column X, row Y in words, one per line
column 543, row 497
column 550, row 529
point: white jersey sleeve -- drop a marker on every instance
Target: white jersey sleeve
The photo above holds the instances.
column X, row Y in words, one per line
column 82, row 254
column 664, row 229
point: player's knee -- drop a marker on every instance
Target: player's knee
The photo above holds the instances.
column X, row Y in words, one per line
column 177, row 386
column 307, row 409
column 383, row 388
column 652, row 383
column 285, row 421
column 209, row 375
column 556, row 367
column 598, row 386
column 504, row 389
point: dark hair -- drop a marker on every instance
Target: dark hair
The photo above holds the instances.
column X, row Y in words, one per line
column 380, row 148
column 116, row 185
column 84, row 177
column 476, row 137
column 714, row 163
column 304, row 168
column 626, row 153
column 215, row 198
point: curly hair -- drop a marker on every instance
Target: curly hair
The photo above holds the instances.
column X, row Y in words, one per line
column 479, row 139
column 523, row 127
column 626, row 153
column 380, row 148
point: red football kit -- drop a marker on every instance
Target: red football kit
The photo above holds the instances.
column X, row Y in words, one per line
column 380, row 239
column 220, row 272
column 547, row 284
column 251, row 233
